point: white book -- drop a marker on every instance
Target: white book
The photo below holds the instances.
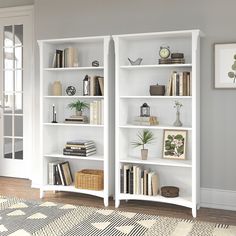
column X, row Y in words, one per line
column 99, row 112
column 150, row 183
column 142, row 186
column 181, row 86
column 95, row 112
column 102, row 111
column 91, row 113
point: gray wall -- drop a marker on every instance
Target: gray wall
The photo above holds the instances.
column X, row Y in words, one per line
column 60, row 18
column 14, row 3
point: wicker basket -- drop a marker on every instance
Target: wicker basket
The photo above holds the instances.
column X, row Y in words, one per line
column 89, row 179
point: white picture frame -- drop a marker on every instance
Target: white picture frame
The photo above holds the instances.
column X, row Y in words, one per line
column 225, row 59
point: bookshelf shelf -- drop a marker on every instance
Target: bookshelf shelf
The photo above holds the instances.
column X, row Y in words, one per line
column 158, row 161
column 157, row 127
column 71, row 125
column 85, row 68
column 89, row 158
column 132, row 91
column 155, row 97
column 72, row 189
column 182, row 201
column 54, row 136
column 74, row 97
column 156, row 66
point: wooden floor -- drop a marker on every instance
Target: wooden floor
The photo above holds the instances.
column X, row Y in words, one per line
column 22, row 188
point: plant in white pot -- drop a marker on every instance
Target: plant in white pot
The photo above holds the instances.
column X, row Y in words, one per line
column 78, row 106
column 145, row 137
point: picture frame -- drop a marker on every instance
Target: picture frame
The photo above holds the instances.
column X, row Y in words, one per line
column 225, row 65
column 174, row 144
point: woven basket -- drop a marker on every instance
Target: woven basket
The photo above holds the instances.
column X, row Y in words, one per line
column 89, row 179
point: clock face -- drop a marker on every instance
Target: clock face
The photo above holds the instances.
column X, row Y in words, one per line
column 164, row 52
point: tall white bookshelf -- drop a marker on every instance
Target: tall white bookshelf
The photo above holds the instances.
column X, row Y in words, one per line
column 55, row 135
column 132, row 90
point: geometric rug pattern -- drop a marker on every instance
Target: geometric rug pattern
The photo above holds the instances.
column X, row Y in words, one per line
column 20, row 217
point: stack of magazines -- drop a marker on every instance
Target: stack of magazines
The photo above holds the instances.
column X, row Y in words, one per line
column 80, row 148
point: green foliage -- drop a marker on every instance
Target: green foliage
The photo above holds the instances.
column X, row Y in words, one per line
column 145, row 137
column 174, row 145
column 78, row 105
column 231, row 74
column 234, row 56
column 234, row 66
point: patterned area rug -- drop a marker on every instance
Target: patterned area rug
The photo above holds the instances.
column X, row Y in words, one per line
column 19, row 217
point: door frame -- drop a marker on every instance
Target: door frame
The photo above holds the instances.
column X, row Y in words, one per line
column 28, row 12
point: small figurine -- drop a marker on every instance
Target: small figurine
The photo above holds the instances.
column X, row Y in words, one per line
column 95, row 63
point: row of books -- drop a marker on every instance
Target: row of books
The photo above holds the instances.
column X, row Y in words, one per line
column 180, row 84
column 95, row 86
column 59, row 173
column 137, row 180
column 97, row 112
column 65, row 58
column 82, row 148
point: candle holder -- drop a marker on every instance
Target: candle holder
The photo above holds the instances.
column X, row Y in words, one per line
column 54, row 114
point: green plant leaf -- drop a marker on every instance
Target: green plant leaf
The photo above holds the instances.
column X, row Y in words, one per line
column 144, row 137
column 231, row 74
column 78, row 105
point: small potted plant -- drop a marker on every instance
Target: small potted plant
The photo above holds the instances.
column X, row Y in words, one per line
column 144, row 137
column 78, row 106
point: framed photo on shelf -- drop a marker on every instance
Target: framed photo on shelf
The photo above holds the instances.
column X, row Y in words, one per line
column 225, row 65
column 174, row 144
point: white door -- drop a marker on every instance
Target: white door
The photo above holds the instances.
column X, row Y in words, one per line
column 15, row 96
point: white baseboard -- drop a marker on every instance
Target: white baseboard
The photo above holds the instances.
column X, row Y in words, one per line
column 219, row 199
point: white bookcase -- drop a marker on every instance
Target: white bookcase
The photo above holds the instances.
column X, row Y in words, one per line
column 132, row 90
column 55, row 135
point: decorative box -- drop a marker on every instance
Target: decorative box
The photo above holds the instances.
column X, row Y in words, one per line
column 158, row 90
column 169, row 191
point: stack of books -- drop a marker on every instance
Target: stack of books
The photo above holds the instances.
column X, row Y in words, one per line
column 77, row 119
column 151, row 120
column 59, row 173
column 138, row 180
column 180, row 84
column 97, row 112
column 82, row 148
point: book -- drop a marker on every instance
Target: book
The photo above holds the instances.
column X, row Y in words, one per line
column 66, row 172
column 79, row 142
column 59, row 58
column 79, row 150
column 155, row 184
column 61, row 174
column 131, row 180
column 98, row 91
column 80, row 146
column 126, row 167
column 101, row 84
column 57, row 176
column 150, row 174
column 53, row 173
column 78, row 154
column 122, row 180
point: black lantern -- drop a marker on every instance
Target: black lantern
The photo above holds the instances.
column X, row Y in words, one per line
column 145, row 110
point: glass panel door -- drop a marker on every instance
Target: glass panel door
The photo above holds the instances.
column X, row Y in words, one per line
column 13, row 91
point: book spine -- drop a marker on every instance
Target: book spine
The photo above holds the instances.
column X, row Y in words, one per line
column 131, row 181
column 61, row 174
column 122, row 180
column 181, row 84
column 91, row 113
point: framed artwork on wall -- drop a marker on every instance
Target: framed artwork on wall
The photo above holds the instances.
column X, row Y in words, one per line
column 225, row 65
column 174, row 144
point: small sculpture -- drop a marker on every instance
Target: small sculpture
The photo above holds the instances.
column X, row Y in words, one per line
column 136, row 62
column 95, row 63
column 54, row 114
